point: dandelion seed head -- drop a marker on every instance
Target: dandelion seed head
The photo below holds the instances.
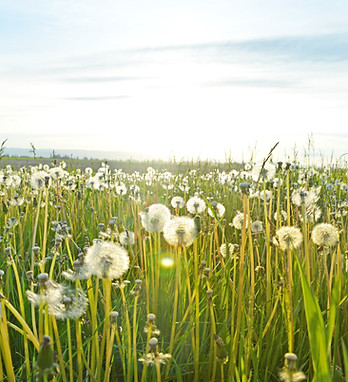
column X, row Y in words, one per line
column 155, row 218
column 238, row 221
column 257, row 226
column 231, row 250
column 218, row 208
column 177, row 202
column 106, row 259
column 265, row 173
column 325, row 234
column 195, row 205
column 127, row 238
column 289, row 238
column 180, row 231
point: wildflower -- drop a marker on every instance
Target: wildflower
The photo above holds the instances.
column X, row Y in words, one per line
column 72, row 306
column 150, row 326
column 196, row 205
column 126, row 238
column 210, row 296
column 180, row 231
column 289, row 238
column 57, row 173
column 263, row 172
column 231, row 250
column 93, row 183
column 305, row 197
column 155, row 218
column 37, row 180
column 257, row 226
column 154, row 356
column 283, row 216
column 288, row 372
column 244, row 186
column 88, row 171
column 312, row 213
column 177, row 202
column 325, row 235
column 218, row 208
column 113, row 318
column 121, row 189
column 106, row 259
column 265, row 195
column 238, row 221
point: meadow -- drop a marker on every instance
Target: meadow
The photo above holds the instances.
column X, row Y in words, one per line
column 197, row 274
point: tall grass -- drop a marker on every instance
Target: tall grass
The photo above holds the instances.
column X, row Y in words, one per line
column 218, row 316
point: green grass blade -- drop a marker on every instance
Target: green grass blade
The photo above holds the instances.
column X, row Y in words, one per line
column 345, row 360
column 316, row 331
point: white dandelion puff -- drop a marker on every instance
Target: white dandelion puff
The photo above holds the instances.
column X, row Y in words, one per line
column 180, row 231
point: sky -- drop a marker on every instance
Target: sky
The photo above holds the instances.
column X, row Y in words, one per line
column 208, row 79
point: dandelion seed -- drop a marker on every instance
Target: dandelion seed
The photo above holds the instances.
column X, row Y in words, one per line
column 325, row 235
column 282, row 217
column 218, row 208
column 238, row 221
column 289, row 238
column 106, row 259
column 305, row 197
column 180, row 231
column 265, row 173
column 195, row 205
column 155, row 218
column 231, row 250
column 257, row 226
column 57, row 173
column 177, row 202
column 127, row 238
column 72, row 306
column 37, row 180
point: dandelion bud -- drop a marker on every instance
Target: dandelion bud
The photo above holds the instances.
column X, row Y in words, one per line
column 77, row 264
column 1, row 274
column 151, row 317
column 36, row 250
column 153, row 344
column 210, row 296
column 245, row 187
column 29, row 275
column 113, row 317
column 221, row 354
column 290, row 361
column 206, row 273
column 45, row 360
column 67, row 301
column 202, row 265
column 42, row 278
column 101, row 227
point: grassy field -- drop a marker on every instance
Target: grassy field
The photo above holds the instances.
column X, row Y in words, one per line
column 199, row 272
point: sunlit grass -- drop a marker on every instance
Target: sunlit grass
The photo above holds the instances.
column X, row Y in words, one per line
column 221, row 300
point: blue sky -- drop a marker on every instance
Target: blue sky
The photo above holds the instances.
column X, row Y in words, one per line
column 186, row 78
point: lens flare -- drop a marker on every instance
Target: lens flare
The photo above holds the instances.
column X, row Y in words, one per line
column 167, row 262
